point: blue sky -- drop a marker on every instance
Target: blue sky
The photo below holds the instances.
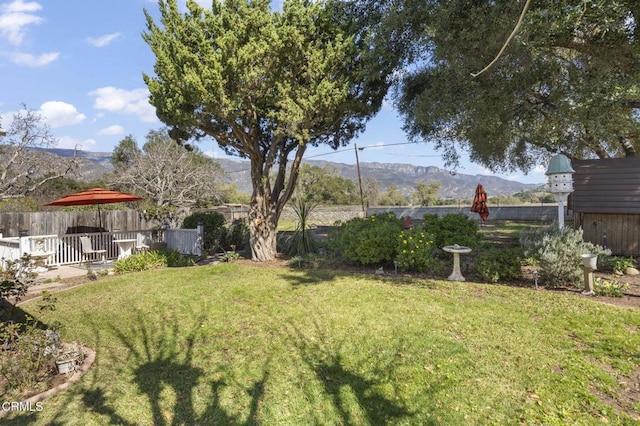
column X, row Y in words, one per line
column 80, row 63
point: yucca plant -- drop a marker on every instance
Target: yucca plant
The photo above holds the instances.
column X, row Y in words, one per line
column 302, row 241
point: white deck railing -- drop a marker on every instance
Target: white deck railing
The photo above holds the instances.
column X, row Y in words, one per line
column 67, row 249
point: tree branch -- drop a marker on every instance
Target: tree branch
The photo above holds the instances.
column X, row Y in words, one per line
column 506, row 43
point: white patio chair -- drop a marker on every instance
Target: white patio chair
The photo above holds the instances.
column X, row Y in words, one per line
column 87, row 249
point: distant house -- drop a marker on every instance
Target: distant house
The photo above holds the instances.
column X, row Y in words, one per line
column 606, row 203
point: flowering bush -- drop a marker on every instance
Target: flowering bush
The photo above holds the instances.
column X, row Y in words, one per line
column 370, row 240
column 611, row 288
column 415, row 249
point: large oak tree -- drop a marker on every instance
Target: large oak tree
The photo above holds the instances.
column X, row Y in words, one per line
column 568, row 81
column 265, row 85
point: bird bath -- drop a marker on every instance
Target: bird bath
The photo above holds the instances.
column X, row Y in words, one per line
column 456, row 275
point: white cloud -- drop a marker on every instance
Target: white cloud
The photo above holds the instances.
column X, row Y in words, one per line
column 59, row 114
column 102, row 41
column 15, row 17
column 34, row 61
column 66, row 142
column 20, row 6
column 127, row 102
column 111, row 130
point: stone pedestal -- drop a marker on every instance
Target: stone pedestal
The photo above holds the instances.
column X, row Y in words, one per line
column 588, row 281
column 456, row 275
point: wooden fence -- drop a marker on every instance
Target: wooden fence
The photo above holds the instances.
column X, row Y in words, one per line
column 185, row 241
column 62, row 222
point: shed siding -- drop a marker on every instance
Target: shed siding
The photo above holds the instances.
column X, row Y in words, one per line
column 618, row 232
column 606, row 186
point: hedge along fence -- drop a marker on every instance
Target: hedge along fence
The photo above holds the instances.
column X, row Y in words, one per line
column 328, row 215
column 65, row 222
column 542, row 213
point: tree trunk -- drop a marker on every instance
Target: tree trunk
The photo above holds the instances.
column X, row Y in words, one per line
column 267, row 202
column 263, row 222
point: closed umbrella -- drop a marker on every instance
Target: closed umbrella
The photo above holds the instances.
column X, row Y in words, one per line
column 95, row 196
column 480, row 203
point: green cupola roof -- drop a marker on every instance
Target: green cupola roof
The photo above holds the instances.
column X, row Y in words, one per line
column 559, row 164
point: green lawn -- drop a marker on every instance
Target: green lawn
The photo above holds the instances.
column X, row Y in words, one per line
column 234, row 344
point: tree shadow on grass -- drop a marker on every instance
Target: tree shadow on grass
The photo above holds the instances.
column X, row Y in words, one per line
column 355, row 398
column 162, row 359
column 301, row 277
column 159, row 356
column 305, row 277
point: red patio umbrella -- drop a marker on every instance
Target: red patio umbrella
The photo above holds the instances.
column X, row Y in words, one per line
column 480, row 203
column 94, row 196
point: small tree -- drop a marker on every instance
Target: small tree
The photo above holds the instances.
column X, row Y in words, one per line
column 24, row 167
column 370, row 191
column 323, row 185
column 125, row 153
column 426, row 194
column 392, row 197
column 265, row 85
column 172, row 178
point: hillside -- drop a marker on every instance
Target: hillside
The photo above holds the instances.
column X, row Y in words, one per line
column 403, row 176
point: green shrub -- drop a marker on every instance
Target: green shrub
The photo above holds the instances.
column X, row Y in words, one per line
column 141, row 261
column 229, row 256
column 368, row 241
column 177, row 260
column 558, row 253
column 215, row 232
column 16, row 277
column 616, row 263
column 415, row 249
column 452, row 229
column 500, row 264
column 238, row 235
column 151, row 259
column 26, row 356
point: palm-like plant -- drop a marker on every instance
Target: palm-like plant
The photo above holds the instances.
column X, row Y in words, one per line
column 302, row 241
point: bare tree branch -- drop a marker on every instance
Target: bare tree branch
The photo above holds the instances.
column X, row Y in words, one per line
column 24, row 165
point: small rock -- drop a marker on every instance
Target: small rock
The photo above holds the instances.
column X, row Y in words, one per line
column 631, row 271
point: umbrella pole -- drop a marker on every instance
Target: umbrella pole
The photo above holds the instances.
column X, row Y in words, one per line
column 102, row 245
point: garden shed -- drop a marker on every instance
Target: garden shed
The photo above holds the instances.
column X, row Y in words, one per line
column 606, row 203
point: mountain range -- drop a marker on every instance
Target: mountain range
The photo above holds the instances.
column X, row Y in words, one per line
column 404, row 176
